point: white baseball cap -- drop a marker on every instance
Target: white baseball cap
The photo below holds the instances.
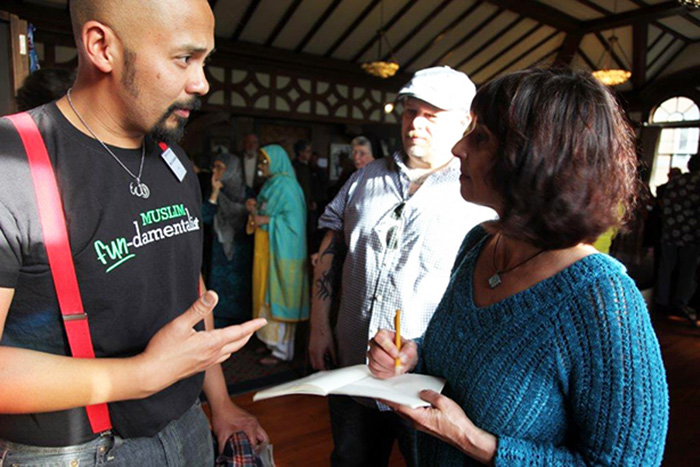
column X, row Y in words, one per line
column 442, row 87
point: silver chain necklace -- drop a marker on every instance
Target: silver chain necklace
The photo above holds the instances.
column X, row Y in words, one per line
column 137, row 187
column 495, row 280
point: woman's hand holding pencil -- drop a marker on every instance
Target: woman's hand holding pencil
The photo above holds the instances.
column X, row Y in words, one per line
column 383, row 355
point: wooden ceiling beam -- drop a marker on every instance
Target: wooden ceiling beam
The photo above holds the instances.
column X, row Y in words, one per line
column 613, row 54
column 355, row 24
column 663, row 27
column 437, row 38
column 489, row 42
column 587, row 59
column 540, row 12
column 418, row 28
column 568, row 49
column 667, row 63
column 545, row 57
column 640, row 3
column 394, row 19
column 594, row 6
column 645, row 14
column 670, row 31
column 662, row 53
column 691, row 18
column 522, row 55
column 656, row 41
column 252, row 6
column 677, row 81
column 317, row 25
column 640, row 38
column 469, row 36
column 246, row 55
column 505, row 50
column 282, row 22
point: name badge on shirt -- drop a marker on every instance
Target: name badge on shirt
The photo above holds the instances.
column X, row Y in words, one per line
column 174, row 163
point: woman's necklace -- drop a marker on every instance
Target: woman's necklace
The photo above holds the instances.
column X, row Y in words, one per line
column 495, row 280
column 137, row 187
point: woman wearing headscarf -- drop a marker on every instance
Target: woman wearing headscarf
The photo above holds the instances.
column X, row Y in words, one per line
column 232, row 250
column 280, row 278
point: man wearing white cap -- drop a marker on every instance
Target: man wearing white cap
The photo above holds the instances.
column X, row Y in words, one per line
column 402, row 220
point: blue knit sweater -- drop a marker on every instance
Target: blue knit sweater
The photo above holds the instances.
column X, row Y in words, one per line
column 567, row 372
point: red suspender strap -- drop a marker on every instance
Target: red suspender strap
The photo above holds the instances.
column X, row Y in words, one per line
column 53, row 225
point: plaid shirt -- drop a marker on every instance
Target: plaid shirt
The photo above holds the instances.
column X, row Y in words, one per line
column 400, row 249
column 238, row 452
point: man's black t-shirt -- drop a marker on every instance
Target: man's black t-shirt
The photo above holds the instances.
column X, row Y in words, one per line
column 137, row 262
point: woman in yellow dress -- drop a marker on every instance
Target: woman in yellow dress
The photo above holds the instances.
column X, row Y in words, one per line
column 280, row 278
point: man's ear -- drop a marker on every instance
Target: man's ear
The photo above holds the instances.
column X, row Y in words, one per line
column 101, row 45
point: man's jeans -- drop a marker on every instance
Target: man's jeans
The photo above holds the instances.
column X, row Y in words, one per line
column 183, row 442
column 685, row 258
column 364, row 436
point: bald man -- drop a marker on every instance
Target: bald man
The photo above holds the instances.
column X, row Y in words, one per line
column 132, row 214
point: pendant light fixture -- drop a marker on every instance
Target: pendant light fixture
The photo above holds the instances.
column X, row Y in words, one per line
column 379, row 67
column 607, row 74
column 691, row 4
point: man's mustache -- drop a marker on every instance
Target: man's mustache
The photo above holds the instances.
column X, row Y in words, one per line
column 193, row 104
column 417, row 134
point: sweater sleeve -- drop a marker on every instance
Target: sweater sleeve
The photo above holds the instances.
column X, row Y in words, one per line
column 615, row 383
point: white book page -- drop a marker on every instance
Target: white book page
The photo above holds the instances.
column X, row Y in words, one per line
column 321, row 383
column 402, row 389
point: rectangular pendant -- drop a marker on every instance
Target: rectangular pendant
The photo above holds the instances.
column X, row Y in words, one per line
column 494, row 281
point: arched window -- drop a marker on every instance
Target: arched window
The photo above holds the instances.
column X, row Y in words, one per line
column 678, row 141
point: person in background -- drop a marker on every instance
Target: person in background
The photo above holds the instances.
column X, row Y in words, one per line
column 230, row 273
column 43, row 86
column 319, row 180
column 546, row 346
column 401, row 220
column 302, row 170
column 680, row 243
column 280, row 277
column 673, row 173
column 362, row 151
column 249, row 161
column 304, row 173
column 319, row 193
column 362, row 154
column 133, row 221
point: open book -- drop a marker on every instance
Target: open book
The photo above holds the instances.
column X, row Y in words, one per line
column 358, row 381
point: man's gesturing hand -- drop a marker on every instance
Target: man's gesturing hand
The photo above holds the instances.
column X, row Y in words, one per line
column 178, row 350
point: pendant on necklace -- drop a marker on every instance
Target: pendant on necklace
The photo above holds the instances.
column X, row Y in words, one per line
column 495, row 280
column 139, row 189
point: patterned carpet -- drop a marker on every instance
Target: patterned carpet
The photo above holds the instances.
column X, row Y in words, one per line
column 244, row 373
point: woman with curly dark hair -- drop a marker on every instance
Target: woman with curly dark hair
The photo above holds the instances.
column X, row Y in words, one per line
column 546, row 346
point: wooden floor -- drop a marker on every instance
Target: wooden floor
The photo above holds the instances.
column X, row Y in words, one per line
column 299, row 426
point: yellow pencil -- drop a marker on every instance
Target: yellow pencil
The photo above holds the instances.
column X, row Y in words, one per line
column 397, row 326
